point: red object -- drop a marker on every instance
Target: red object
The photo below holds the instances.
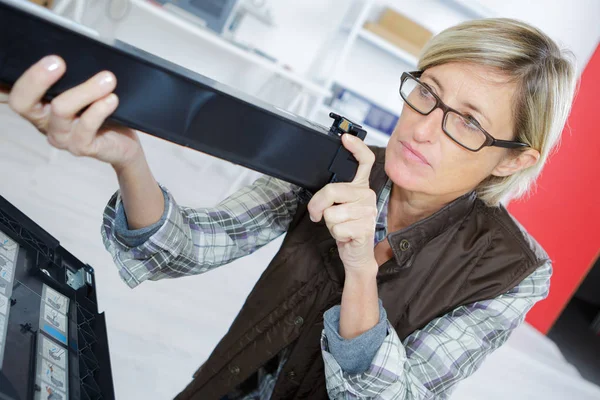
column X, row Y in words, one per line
column 563, row 214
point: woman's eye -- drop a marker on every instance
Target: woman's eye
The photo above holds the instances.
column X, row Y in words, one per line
column 470, row 123
column 424, row 92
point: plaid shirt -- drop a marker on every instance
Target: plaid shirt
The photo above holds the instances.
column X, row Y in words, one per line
column 426, row 365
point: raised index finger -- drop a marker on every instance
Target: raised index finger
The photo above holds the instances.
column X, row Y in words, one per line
column 363, row 155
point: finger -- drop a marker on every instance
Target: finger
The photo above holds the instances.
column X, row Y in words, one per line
column 357, row 231
column 27, row 92
column 338, row 193
column 363, row 155
column 85, row 131
column 349, row 212
column 66, row 106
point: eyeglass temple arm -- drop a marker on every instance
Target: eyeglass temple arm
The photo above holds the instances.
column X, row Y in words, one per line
column 508, row 144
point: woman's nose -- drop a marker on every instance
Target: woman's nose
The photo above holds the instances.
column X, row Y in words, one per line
column 429, row 127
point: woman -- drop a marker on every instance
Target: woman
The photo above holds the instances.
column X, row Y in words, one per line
column 396, row 285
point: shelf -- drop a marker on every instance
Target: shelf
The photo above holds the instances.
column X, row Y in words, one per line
column 158, row 11
column 350, row 86
column 388, row 47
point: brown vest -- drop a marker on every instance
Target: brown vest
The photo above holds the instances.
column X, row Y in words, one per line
column 465, row 252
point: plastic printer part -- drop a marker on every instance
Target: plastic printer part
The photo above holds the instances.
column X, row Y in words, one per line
column 53, row 341
column 176, row 104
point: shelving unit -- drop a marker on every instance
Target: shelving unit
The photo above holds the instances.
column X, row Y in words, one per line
column 388, row 47
column 360, row 43
column 220, row 41
column 306, row 94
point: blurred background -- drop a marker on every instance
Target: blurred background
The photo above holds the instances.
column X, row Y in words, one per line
column 311, row 57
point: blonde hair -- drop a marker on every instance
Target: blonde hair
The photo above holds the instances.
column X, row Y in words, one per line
column 545, row 78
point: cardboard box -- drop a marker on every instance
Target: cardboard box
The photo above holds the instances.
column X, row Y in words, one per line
column 401, row 31
column 44, row 3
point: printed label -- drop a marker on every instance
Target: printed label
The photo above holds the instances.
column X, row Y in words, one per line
column 50, row 392
column 55, row 318
column 54, row 353
column 9, row 250
column 53, row 375
column 56, row 300
column 53, row 323
column 4, row 304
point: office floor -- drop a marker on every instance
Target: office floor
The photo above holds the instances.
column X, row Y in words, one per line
column 160, row 332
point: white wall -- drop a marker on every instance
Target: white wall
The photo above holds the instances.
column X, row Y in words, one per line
column 574, row 24
column 301, row 26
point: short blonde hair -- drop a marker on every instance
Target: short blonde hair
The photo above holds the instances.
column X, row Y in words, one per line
column 546, row 80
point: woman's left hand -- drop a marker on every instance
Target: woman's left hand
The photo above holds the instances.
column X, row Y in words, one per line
column 350, row 212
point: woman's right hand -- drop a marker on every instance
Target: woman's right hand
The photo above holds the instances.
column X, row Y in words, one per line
column 82, row 135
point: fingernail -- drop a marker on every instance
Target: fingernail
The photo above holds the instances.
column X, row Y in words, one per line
column 105, row 78
column 50, row 63
column 111, row 99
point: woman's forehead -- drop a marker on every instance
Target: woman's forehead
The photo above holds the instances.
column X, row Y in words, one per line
column 463, row 85
column 474, row 75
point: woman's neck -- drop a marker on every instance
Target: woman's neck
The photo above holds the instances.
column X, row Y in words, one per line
column 406, row 207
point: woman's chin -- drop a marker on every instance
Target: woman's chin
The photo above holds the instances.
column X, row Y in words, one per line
column 406, row 177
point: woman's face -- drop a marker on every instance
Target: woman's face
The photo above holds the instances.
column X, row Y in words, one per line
column 421, row 158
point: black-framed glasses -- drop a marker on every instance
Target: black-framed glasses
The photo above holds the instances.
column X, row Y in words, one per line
column 462, row 129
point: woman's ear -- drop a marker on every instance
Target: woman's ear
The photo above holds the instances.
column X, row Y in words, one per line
column 512, row 164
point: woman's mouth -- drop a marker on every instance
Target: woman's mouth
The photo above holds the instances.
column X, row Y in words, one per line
column 413, row 155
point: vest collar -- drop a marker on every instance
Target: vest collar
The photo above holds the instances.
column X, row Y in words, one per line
column 407, row 242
